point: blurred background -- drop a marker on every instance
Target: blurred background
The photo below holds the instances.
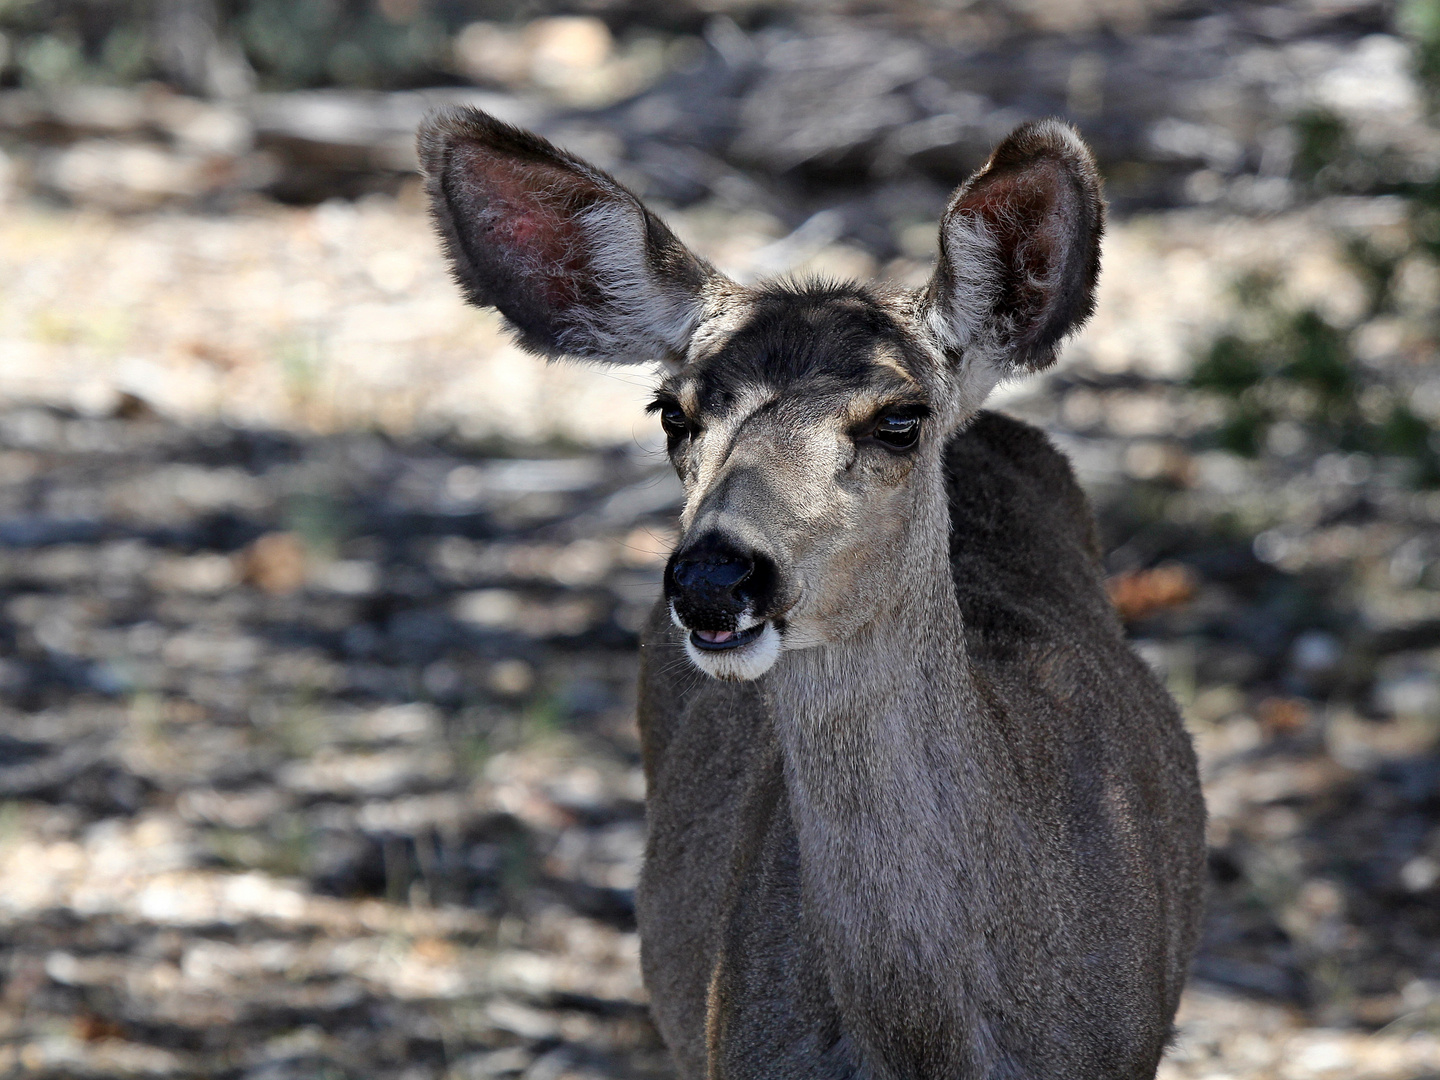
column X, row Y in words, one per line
column 318, row 600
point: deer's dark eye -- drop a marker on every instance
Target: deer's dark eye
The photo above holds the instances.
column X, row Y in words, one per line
column 898, row 431
column 674, row 421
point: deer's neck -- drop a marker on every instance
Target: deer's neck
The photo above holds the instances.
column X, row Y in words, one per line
column 883, row 716
column 889, row 778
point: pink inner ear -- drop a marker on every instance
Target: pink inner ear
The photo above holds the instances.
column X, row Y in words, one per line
column 529, row 214
column 1023, row 213
column 1020, row 207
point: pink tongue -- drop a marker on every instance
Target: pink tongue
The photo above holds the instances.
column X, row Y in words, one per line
column 715, row 637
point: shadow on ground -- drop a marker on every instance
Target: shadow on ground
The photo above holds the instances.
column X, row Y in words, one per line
column 318, row 754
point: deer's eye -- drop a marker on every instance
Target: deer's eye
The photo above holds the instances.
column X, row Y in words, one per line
column 898, row 431
column 674, row 421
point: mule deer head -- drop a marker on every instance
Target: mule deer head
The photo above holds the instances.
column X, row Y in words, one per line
column 806, row 420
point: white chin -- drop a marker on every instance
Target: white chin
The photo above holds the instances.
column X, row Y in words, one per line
column 747, row 662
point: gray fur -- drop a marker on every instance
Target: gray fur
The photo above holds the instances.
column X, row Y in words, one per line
column 937, row 820
column 965, row 842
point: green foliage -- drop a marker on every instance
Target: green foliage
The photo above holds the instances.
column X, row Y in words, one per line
column 50, row 59
column 1406, row 435
column 284, row 846
column 1278, row 364
column 312, row 42
column 1376, row 267
column 1243, row 431
column 321, row 520
column 1318, row 358
column 1299, row 348
column 544, row 718
column 289, row 43
column 1321, row 138
column 519, row 869
column 58, row 42
column 12, row 819
column 125, row 54
column 1232, row 366
column 1293, row 366
column 1420, row 21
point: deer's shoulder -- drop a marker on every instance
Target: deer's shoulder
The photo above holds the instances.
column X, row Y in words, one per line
column 1023, row 543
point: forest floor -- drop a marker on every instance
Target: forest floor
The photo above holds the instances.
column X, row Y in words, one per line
column 318, row 612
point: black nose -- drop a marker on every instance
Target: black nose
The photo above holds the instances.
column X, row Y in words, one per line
column 711, row 580
column 715, row 572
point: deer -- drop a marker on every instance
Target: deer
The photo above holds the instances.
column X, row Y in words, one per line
column 915, row 807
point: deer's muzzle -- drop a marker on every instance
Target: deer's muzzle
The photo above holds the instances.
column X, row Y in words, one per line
column 717, row 588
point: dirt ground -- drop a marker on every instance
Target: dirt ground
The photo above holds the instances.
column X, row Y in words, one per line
column 318, row 604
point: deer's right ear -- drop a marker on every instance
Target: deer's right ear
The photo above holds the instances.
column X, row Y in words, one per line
column 1019, row 252
column 570, row 257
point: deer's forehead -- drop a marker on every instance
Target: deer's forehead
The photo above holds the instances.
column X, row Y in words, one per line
column 815, row 342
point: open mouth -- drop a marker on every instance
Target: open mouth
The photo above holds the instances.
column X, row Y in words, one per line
column 721, row 640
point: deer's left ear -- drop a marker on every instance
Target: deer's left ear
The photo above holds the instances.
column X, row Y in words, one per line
column 1019, row 252
column 571, row 258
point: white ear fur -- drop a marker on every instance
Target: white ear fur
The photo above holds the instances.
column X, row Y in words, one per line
column 976, row 380
column 957, row 320
column 573, row 260
column 638, row 305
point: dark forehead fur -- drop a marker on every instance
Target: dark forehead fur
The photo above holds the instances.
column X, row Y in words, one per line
column 819, row 334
